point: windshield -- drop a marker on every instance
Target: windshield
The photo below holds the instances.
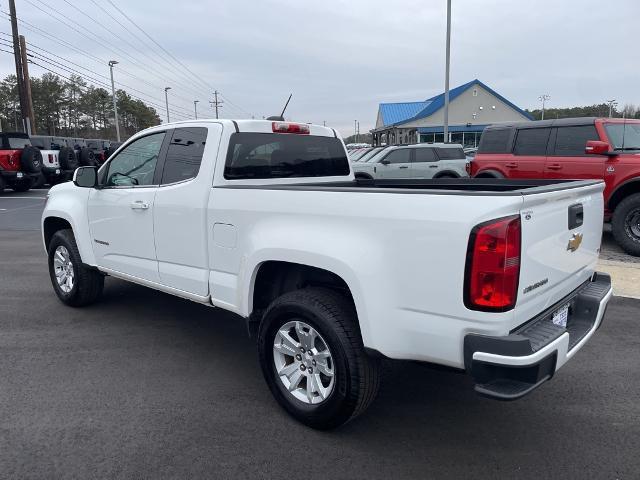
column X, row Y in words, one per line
column 369, row 154
column 17, row 143
column 380, row 154
column 624, row 136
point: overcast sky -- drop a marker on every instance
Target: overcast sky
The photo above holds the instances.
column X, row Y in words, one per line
column 341, row 58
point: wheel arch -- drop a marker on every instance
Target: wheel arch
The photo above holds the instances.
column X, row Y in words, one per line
column 51, row 225
column 489, row 174
column 447, row 173
column 622, row 191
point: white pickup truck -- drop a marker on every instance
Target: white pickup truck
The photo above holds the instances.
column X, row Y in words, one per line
column 265, row 219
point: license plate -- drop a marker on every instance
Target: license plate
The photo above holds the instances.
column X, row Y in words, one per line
column 57, row 171
column 560, row 316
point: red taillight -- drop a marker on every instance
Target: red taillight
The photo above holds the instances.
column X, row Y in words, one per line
column 285, row 127
column 467, row 167
column 493, row 265
column 50, row 155
column 101, row 156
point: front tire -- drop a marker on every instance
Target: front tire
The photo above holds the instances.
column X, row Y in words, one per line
column 316, row 328
column 625, row 224
column 75, row 284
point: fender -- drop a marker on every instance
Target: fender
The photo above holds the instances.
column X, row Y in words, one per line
column 493, row 173
column 338, row 267
column 68, row 202
column 632, row 184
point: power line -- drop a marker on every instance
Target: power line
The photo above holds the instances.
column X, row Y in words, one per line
column 104, row 43
column 198, row 78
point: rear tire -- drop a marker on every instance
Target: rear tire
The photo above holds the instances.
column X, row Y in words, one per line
column 355, row 375
column 22, row 187
column 625, row 224
column 75, row 284
column 67, row 159
column 31, row 160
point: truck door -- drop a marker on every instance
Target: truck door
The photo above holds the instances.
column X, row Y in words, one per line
column 121, row 212
column 529, row 153
column 566, row 157
column 180, row 212
column 398, row 166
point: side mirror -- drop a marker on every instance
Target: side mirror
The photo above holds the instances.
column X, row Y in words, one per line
column 86, row 177
column 596, row 147
column 385, row 162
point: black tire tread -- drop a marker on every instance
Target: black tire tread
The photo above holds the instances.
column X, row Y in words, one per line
column 90, row 282
column 341, row 312
column 617, row 225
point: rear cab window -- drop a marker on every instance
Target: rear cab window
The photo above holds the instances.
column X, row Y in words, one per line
column 268, row 155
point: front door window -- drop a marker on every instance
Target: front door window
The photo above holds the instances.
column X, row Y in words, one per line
column 135, row 165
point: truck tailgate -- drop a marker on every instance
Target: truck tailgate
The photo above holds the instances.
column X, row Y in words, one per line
column 561, row 236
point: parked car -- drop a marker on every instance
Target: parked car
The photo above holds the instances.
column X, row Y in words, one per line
column 369, row 154
column 264, row 219
column 20, row 162
column 52, row 170
column 355, row 155
column 422, row 160
column 573, row 148
column 470, row 152
column 84, row 155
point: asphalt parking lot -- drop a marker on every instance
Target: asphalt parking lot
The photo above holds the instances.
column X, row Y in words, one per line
column 145, row 385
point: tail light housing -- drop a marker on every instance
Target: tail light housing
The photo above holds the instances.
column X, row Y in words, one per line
column 50, row 156
column 286, row 127
column 493, row 265
column 10, row 160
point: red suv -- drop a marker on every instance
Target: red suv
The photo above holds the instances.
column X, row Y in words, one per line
column 20, row 162
column 573, row 148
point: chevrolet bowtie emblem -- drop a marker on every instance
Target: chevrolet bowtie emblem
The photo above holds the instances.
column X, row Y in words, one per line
column 574, row 242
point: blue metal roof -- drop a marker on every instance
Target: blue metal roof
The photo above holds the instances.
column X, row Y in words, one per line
column 453, row 128
column 403, row 114
column 398, row 112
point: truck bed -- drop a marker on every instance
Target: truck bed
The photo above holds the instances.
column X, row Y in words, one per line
column 453, row 186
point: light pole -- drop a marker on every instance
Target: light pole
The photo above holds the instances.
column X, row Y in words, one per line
column 612, row 105
column 355, row 131
column 446, row 74
column 543, row 99
column 195, row 108
column 166, row 101
column 113, row 94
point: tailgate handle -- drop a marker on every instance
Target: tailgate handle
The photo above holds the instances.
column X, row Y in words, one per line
column 576, row 216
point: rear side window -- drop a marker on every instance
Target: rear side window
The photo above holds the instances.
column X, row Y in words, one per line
column 402, row 155
column 425, row 155
column 570, row 141
column 451, row 154
column 184, row 154
column 532, row 141
column 495, row 140
column 16, row 143
column 269, row 155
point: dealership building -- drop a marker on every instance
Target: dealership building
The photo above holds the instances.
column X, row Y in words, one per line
column 472, row 107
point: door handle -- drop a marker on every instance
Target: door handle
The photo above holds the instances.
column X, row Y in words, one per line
column 433, row 166
column 554, row 166
column 139, row 205
column 511, row 165
column 403, row 166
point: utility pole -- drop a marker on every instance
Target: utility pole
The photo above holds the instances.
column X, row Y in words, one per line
column 543, row 99
column 355, row 131
column 195, row 108
column 446, row 74
column 166, row 100
column 18, row 60
column 612, row 104
column 31, row 125
column 216, row 104
column 113, row 94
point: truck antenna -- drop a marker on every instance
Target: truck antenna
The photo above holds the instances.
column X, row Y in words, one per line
column 286, row 105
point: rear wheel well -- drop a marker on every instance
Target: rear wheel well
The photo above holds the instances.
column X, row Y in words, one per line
column 275, row 278
column 489, row 174
column 622, row 192
column 364, row 176
column 447, row 174
column 53, row 225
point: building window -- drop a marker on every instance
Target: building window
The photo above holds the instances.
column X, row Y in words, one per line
column 475, row 92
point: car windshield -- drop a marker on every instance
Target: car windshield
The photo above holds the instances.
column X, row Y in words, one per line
column 624, row 136
column 369, row 154
column 379, row 155
column 17, row 143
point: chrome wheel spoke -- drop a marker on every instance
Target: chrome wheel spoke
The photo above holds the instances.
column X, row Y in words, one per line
column 63, row 269
column 300, row 353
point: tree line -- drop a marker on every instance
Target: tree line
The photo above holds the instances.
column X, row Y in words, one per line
column 73, row 108
column 600, row 110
